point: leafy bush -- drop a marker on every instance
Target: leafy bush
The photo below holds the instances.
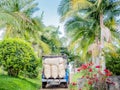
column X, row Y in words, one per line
column 17, row 55
column 113, row 62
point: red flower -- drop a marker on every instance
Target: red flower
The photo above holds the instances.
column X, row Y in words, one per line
column 84, row 66
column 90, row 70
column 90, row 82
column 78, row 69
column 73, row 83
column 107, row 72
column 98, row 66
column 82, row 76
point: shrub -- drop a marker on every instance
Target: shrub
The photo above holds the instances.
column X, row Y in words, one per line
column 17, row 55
column 113, row 62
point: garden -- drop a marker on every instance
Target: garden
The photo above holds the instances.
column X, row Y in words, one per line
column 91, row 43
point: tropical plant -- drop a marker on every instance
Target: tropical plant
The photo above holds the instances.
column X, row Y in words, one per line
column 16, row 17
column 114, row 58
column 13, row 17
column 17, row 55
column 51, row 37
column 86, row 20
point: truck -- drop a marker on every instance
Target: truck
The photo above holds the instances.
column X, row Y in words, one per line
column 55, row 71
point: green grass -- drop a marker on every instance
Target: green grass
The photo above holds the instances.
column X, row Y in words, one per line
column 11, row 83
column 76, row 76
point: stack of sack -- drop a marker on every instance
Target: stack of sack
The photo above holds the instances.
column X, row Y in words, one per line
column 54, row 67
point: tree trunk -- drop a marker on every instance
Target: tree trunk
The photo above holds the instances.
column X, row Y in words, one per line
column 101, row 57
column 101, row 20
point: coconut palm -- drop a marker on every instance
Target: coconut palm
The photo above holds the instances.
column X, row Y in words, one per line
column 15, row 15
column 92, row 11
column 51, row 37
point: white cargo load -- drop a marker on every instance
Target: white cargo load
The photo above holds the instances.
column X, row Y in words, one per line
column 54, row 67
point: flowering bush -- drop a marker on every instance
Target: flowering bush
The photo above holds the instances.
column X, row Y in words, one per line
column 94, row 78
column 73, row 86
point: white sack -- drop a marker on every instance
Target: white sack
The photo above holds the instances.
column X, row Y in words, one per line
column 54, row 71
column 62, row 73
column 47, row 71
column 52, row 61
column 61, row 60
column 61, row 70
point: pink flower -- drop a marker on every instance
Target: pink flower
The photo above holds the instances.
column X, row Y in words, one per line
column 98, row 66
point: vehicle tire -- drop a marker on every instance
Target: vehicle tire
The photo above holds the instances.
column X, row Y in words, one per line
column 66, row 85
column 44, row 84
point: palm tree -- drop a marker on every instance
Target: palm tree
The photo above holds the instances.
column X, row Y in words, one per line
column 51, row 37
column 92, row 11
column 15, row 15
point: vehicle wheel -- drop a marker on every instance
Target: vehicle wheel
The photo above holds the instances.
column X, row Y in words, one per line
column 66, row 85
column 44, row 84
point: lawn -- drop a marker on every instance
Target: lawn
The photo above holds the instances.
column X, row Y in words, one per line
column 11, row 83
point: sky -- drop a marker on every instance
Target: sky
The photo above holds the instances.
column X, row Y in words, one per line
column 50, row 17
column 49, row 7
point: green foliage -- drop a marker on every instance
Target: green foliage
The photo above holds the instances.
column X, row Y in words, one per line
column 113, row 62
column 51, row 37
column 17, row 55
column 82, row 21
column 11, row 83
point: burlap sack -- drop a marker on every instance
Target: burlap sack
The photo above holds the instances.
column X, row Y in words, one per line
column 47, row 70
column 61, row 70
column 61, row 66
column 62, row 73
column 61, row 60
column 51, row 61
column 54, row 71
